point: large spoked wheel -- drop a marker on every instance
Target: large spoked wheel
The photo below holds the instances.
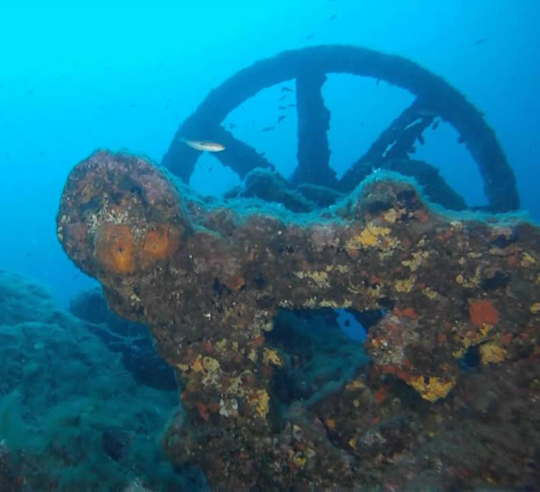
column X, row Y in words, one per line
column 309, row 67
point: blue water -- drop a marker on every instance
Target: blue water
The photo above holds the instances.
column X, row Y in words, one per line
column 80, row 75
column 123, row 75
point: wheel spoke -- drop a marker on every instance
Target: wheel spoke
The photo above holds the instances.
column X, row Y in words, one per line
column 394, row 142
column 239, row 156
column 313, row 124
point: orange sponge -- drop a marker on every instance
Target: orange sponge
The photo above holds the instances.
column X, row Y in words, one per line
column 115, row 248
column 160, row 243
column 483, row 312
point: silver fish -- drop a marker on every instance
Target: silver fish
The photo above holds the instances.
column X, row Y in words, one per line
column 204, row 145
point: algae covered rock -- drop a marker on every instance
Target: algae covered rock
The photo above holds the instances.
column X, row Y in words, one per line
column 71, row 416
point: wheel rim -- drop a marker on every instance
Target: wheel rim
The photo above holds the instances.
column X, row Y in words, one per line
column 435, row 98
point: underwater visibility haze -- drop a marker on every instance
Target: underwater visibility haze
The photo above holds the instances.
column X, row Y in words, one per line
column 269, row 245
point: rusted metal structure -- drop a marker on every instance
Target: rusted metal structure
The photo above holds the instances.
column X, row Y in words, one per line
column 209, row 281
column 308, row 67
column 450, row 396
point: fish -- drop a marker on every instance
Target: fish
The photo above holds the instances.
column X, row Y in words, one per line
column 286, row 89
column 334, row 17
column 281, row 108
column 204, row 145
column 268, row 129
column 311, row 36
column 435, row 125
column 281, row 118
column 283, row 97
column 479, row 41
column 292, row 105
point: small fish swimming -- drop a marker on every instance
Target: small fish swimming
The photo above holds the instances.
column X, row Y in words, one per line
column 479, row 41
column 286, row 89
column 204, row 145
column 268, row 129
column 281, row 118
column 427, row 113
